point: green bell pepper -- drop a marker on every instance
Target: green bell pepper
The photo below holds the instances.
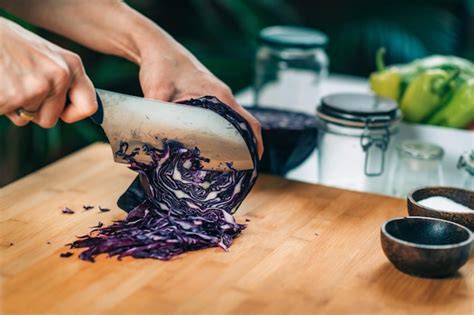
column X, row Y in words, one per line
column 459, row 111
column 385, row 82
column 426, row 93
column 448, row 63
column 393, row 81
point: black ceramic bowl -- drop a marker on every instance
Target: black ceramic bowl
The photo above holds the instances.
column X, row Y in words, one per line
column 426, row 247
column 462, row 196
column 289, row 138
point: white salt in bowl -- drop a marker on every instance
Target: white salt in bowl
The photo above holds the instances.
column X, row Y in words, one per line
column 458, row 209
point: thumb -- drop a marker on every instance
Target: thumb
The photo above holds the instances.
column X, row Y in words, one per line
column 82, row 100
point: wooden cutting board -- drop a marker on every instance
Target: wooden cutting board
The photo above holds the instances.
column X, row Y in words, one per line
column 308, row 249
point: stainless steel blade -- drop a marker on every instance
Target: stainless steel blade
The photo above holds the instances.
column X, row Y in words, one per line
column 139, row 121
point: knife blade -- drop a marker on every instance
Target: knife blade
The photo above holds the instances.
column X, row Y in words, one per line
column 140, row 121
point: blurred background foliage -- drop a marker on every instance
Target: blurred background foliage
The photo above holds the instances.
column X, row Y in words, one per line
column 222, row 33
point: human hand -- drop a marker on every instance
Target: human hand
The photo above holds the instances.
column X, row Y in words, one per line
column 167, row 70
column 173, row 74
column 37, row 76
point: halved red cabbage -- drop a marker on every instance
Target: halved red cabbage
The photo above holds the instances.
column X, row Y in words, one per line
column 178, row 207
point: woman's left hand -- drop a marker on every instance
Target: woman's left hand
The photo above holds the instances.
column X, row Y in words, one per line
column 174, row 74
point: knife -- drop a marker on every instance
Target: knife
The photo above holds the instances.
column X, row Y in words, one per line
column 139, row 121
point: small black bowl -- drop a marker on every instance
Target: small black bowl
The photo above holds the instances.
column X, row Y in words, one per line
column 426, row 247
column 462, row 196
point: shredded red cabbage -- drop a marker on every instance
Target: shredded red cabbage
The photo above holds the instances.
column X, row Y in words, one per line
column 272, row 118
column 185, row 208
column 101, row 209
column 67, row 210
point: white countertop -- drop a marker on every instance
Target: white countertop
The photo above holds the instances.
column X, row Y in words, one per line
column 453, row 141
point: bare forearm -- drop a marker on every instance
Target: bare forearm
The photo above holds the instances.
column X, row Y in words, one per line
column 108, row 26
column 167, row 70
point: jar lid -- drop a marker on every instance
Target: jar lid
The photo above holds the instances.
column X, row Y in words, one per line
column 292, row 37
column 358, row 110
column 420, row 150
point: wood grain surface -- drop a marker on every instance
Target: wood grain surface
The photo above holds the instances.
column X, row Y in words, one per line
column 307, row 249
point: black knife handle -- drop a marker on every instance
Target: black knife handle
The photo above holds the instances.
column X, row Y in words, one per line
column 98, row 116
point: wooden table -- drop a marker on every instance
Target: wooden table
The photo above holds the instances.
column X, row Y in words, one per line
column 308, row 249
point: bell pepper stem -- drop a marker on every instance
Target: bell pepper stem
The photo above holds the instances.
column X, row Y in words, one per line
column 440, row 87
column 379, row 62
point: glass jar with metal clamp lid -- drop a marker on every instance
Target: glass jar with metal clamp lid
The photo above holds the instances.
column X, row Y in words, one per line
column 356, row 137
column 290, row 65
column 418, row 164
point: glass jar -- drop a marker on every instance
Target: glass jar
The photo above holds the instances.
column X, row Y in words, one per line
column 290, row 65
column 356, row 137
column 466, row 164
column 418, row 165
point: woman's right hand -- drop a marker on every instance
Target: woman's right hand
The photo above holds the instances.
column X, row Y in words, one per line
column 38, row 76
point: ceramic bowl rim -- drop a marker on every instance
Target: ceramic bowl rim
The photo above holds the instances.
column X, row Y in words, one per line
column 470, row 238
column 452, row 212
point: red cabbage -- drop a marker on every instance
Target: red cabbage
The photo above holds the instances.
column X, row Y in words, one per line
column 67, row 210
column 103, row 209
column 177, row 206
column 99, row 225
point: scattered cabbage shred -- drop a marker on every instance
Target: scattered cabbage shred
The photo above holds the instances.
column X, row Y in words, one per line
column 184, row 207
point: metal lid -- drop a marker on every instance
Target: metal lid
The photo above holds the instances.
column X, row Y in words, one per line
column 292, row 37
column 358, row 110
column 420, row 150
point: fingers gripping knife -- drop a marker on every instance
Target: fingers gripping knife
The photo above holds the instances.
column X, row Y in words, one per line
column 140, row 121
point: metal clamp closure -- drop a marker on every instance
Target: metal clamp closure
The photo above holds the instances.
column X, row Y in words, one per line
column 374, row 147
